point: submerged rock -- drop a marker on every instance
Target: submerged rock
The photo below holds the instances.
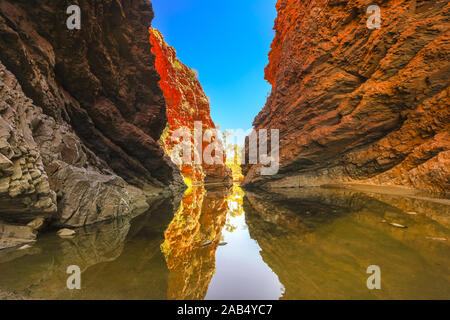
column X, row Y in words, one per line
column 397, row 225
column 12, row 235
column 37, row 223
column 65, row 232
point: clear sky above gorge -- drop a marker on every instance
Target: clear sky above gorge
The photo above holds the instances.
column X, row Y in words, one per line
column 227, row 42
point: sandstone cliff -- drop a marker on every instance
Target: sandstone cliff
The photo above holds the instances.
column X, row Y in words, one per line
column 81, row 112
column 186, row 104
column 355, row 105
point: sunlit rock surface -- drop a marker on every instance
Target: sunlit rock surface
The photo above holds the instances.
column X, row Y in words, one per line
column 359, row 105
column 186, row 103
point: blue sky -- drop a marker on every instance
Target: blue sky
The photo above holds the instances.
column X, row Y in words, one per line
column 227, row 42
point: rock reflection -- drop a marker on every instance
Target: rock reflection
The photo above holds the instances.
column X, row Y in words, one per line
column 191, row 241
column 320, row 241
column 163, row 254
column 40, row 272
column 119, row 259
column 291, row 244
column 241, row 273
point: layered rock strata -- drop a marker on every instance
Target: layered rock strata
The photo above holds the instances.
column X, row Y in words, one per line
column 359, row 105
column 48, row 172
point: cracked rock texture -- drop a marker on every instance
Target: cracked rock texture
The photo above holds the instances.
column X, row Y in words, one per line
column 81, row 112
column 24, row 185
column 101, row 79
column 355, row 105
column 47, row 171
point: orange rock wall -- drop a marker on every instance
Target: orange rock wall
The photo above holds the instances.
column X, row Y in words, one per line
column 359, row 105
column 186, row 103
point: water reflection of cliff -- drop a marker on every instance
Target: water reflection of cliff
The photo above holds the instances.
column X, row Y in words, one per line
column 161, row 254
column 118, row 260
column 40, row 271
column 191, row 241
column 312, row 243
column 320, row 241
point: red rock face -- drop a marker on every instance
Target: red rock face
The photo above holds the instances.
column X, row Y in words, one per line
column 186, row 103
column 359, row 105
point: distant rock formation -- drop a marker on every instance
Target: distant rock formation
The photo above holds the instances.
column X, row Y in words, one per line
column 81, row 113
column 355, row 105
column 186, row 103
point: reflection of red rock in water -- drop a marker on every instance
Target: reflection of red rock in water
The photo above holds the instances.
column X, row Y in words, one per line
column 199, row 219
column 186, row 103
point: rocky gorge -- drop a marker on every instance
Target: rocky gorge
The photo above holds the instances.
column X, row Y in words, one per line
column 82, row 114
column 356, row 105
column 88, row 156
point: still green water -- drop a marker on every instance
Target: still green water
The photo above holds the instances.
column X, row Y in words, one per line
column 229, row 244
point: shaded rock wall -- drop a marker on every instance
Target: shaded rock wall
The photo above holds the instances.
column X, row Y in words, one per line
column 24, row 186
column 48, row 172
column 80, row 112
column 101, row 79
column 186, row 103
column 359, row 105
